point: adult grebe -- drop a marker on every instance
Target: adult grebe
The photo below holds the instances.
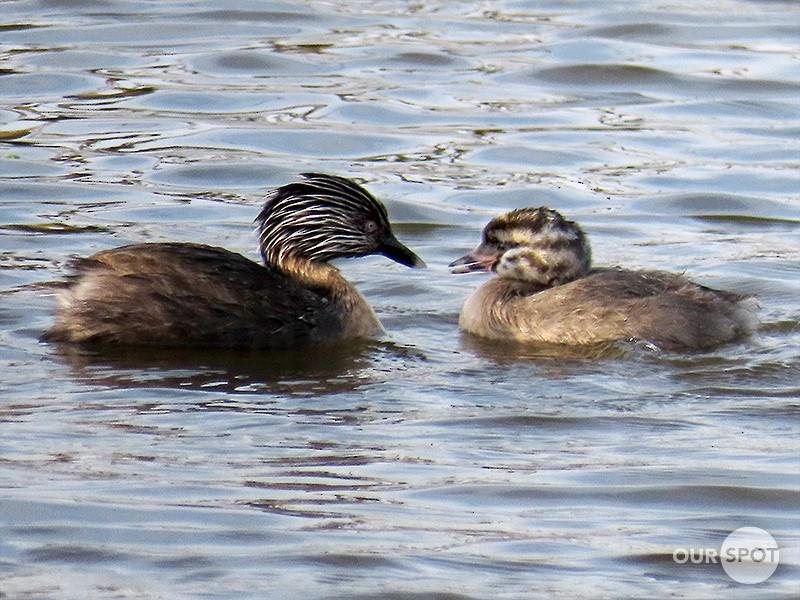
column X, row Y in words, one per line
column 183, row 294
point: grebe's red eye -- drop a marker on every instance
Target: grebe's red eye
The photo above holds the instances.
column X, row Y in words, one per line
column 370, row 227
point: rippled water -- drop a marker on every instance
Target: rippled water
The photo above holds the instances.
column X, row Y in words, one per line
column 426, row 465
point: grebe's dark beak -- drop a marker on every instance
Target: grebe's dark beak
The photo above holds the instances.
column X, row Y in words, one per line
column 483, row 258
column 390, row 247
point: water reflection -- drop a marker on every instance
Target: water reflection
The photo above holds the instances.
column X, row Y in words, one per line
column 306, row 372
column 507, row 352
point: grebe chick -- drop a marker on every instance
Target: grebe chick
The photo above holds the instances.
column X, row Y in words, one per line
column 183, row 294
column 547, row 291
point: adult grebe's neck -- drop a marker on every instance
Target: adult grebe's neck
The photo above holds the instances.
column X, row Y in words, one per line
column 356, row 315
column 312, row 274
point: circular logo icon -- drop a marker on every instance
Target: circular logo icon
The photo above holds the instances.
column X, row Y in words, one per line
column 749, row 555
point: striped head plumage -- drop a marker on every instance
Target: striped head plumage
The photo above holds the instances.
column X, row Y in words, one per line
column 530, row 244
column 324, row 217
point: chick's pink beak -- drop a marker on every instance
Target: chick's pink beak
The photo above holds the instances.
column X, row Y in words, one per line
column 480, row 259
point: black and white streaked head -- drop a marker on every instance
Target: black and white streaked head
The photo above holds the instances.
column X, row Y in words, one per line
column 324, row 217
column 530, row 244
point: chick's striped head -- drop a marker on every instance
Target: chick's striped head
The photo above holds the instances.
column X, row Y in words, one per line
column 324, row 217
column 530, row 244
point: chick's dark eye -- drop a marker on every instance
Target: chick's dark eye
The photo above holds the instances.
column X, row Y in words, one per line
column 497, row 244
